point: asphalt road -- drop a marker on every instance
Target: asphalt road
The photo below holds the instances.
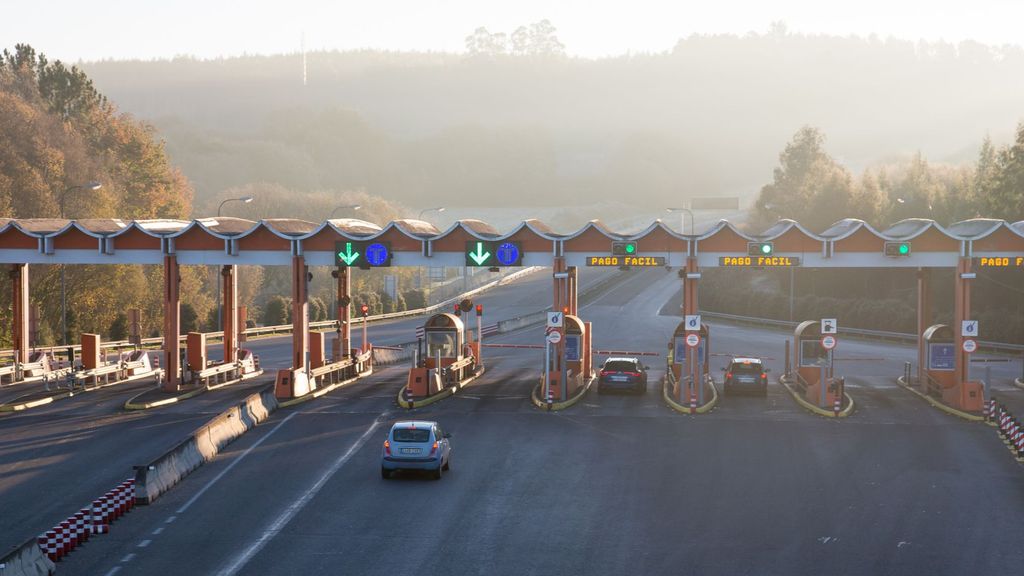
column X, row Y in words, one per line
column 57, row 458
column 614, row 485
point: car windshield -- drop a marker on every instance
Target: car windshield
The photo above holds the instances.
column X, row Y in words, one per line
column 751, row 368
column 620, row 366
column 411, row 435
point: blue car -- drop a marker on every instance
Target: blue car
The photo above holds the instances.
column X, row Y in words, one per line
column 416, row 445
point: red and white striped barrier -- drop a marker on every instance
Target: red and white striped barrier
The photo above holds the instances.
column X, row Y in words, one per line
column 94, row 519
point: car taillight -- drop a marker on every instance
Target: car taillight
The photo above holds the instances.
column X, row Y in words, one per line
column 728, row 374
column 633, row 374
column 764, row 376
column 605, row 372
column 433, row 448
column 387, row 447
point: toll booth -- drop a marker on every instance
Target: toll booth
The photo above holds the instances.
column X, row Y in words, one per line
column 442, row 356
column 813, row 366
column 578, row 360
column 679, row 356
column 940, row 371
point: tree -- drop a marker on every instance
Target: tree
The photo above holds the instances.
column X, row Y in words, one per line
column 539, row 39
column 277, row 311
column 189, row 318
column 483, row 43
column 808, row 185
column 119, row 328
column 1007, row 197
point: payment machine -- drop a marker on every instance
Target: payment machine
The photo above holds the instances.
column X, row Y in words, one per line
column 940, row 371
column 679, row 355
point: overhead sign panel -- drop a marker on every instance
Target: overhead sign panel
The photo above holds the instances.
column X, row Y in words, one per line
column 759, row 261
column 362, row 254
column 490, row 253
column 1001, row 262
column 639, row 261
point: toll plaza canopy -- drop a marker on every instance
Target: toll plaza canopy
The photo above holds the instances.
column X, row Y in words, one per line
column 911, row 243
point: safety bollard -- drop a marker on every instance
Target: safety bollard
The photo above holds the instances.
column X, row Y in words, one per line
column 408, row 399
column 693, row 403
column 551, row 398
column 837, row 406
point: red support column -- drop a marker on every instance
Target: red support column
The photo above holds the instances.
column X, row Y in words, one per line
column 343, row 344
column 961, row 312
column 172, row 324
column 924, row 315
column 573, row 291
column 229, row 276
column 19, row 326
column 300, row 312
column 690, row 308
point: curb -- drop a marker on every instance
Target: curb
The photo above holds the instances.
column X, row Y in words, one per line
column 69, row 393
column 131, row 405
column 844, row 413
column 707, row 407
column 555, row 406
column 447, row 392
column 323, row 391
column 1018, row 383
column 947, row 409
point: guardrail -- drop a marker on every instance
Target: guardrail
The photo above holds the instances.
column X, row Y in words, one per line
column 876, row 334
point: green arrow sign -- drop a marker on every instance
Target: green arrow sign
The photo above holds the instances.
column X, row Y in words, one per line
column 348, row 256
column 479, row 256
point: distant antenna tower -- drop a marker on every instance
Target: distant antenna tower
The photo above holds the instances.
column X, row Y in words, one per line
column 303, row 45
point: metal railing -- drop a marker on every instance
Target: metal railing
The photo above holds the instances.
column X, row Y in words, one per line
column 875, row 334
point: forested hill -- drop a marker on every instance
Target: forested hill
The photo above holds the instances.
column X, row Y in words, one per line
column 710, row 117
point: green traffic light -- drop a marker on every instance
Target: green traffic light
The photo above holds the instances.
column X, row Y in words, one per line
column 630, row 248
column 766, row 248
column 904, row 249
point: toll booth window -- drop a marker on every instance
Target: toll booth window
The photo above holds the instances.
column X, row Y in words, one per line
column 679, row 357
column 812, row 354
column 442, row 343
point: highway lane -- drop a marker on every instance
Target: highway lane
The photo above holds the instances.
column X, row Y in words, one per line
column 617, row 484
column 55, row 459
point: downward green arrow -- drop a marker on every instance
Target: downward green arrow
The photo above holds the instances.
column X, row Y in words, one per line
column 480, row 256
column 348, row 256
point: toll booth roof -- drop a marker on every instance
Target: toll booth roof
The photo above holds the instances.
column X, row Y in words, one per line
column 810, row 328
column 444, row 321
column 938, row 332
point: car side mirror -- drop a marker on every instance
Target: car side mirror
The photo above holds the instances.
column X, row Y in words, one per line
column 447, row 434
column 767, row 370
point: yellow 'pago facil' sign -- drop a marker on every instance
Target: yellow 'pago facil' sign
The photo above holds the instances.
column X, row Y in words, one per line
column 625, row 260
column 758, row 261
column 1001, row 262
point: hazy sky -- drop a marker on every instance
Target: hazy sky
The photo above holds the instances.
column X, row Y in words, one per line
column 93, row 29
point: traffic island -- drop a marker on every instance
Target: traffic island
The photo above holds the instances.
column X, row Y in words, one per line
column 703, row 409
column 1019, row 383
column 535, row 397
column 44, row 397
column 405, row 401
column 325, row 390
column 902, row 381
column 844, row 412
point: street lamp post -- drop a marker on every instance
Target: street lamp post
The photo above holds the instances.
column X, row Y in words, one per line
column 682, row 223
column 354, row 207
column 243, row 200
column 91, row 186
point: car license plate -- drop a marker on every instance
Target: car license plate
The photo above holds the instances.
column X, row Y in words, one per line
column 618, row 378
column 410, row 450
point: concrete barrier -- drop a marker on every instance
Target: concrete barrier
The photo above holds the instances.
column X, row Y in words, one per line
column 27, row 560
column 203, row 445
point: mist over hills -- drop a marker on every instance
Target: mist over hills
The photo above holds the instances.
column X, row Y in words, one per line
column 708, row 118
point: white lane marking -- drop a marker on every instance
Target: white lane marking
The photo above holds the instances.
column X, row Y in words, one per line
column 171, row 519
column 296, row 506
column 128, row 558
column 145, row 543
column 203, row 490
column 158, row 530
column 902, row 544
column 113, row 571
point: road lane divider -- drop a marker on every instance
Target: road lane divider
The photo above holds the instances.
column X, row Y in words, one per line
column 203, row 445
column 275, row 527
column 685, row 409
column 1010, row 428
column 543, row 404
column 404, row 402
column 843, row 413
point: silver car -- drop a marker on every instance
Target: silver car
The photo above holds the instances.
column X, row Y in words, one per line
column 416, row 445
